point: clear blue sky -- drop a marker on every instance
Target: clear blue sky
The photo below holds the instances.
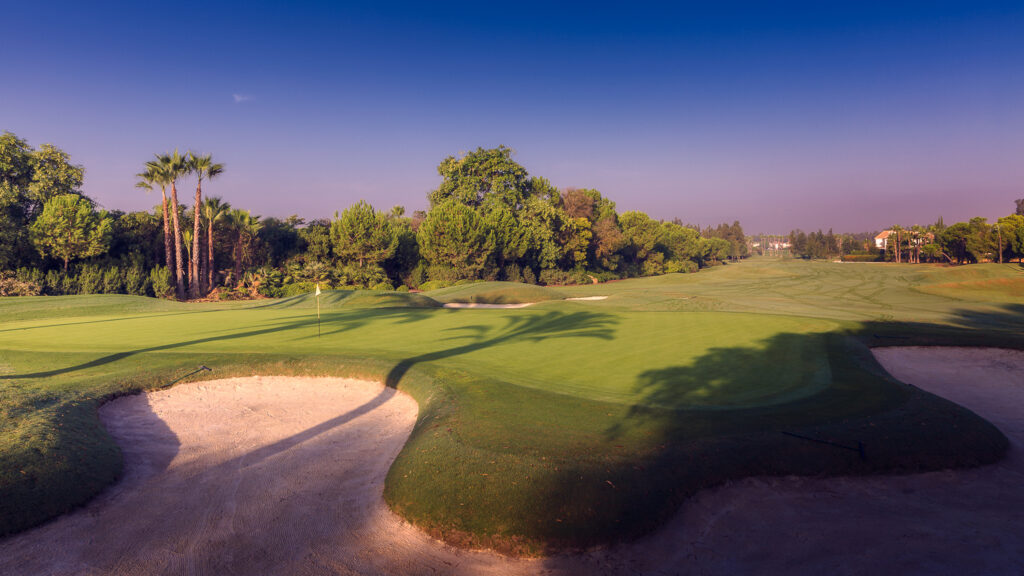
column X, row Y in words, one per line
column 782, row 115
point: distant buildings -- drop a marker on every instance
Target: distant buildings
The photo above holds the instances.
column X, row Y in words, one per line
column 910, row 238
column 882, row 240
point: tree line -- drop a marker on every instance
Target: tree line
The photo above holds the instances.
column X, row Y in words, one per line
column 961, row 243
column 489, row 219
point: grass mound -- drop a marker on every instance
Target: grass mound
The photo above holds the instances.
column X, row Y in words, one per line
column 494, row 293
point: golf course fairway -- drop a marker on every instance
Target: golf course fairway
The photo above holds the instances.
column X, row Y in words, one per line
column 565, row 424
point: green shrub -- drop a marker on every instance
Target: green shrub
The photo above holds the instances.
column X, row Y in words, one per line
column 160, row 282
column 528, row 276
column 418, row 275
column 136, row 281
column 435, row 285
column 654, row 264
column 298, row 288
column 514, row 273
column 863, row 257
column 31, row 276
column 362, row 276
column 90, row 280
column 442, row 273
column 605, row 275
column 681, row 266
column 271, row 282
column 556, row 277
column 68, row 284
column 53, row 282
column 113, row 281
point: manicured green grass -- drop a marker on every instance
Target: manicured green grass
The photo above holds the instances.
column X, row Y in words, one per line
column 559, row 425
column 494, row 293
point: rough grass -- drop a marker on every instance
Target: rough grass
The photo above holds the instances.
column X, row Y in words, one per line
column 562, row 425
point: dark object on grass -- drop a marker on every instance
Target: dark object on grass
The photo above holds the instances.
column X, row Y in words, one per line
column 859, row 448
column 175, row 381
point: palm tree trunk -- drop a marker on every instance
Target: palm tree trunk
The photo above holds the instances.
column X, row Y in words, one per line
column 195, row 288
column 202, row 271
column 238, row 259
column 167, row 233
column 209, row 255
column 179, row 287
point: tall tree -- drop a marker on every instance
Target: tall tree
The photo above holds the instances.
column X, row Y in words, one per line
column 1012, row 227
column 898, row 246
column 641, row 234
column 154, row 176
column 482, row 178
column 15, row 176
column 172, row 166
column 28, row 178
column 363, row 235
column 52, row 175
column 202, row 167
column 69, row 228
column 455, row 241
column 214, row 210
column 246, row 228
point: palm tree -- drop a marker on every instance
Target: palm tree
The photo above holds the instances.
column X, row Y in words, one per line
column 897, row 229
column 918, row 236
column 186, row 237
column 214, row 210
column 173, row 166
column 246, row 228
column 202, row 167
column 153, row 176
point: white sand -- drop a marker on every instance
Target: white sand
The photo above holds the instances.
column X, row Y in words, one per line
column 285, row 476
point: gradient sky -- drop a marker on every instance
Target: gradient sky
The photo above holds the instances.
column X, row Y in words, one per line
column 782, row 115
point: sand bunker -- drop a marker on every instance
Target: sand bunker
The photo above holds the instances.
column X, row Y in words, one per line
column 246, row 476
column 587, row 298
column 285, row 476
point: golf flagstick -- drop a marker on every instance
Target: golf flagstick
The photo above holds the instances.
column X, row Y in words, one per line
column 317, row 309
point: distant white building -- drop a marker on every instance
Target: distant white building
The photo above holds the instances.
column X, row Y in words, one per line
column 909, row 238
column 882, row 240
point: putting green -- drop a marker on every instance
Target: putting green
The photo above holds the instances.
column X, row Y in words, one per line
column 563, row 424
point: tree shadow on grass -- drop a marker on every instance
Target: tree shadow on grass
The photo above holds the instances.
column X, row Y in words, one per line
column 338, row 322
column 683, row 434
